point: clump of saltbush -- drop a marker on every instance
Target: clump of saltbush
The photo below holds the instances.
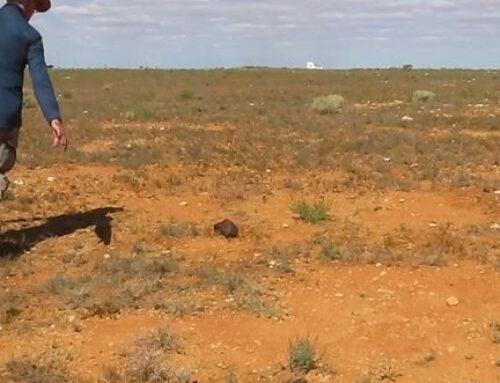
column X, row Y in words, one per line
column 423, row 96
column 328, row 104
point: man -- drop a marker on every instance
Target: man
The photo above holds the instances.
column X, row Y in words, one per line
column 21, row 45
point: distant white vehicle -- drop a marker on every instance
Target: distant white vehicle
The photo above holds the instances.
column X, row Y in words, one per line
column 311, row 65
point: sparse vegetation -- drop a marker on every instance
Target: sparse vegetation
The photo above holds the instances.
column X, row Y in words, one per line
column 34, row 371
column 328, row 104
column 495, row 332
column 312, row 213
column 180, row 230
column 10, row 307
column 330, row 251
column 186, row 95
column 422, row 96
column 302, row 355
column 243, row 144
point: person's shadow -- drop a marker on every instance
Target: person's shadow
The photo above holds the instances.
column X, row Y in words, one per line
column 16, row 242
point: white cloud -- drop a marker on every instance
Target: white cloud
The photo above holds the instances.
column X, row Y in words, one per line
column 278, row 32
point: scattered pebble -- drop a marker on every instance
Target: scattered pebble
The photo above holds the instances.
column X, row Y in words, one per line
column 285, row 226
column 51, row 179
column 387, row 159
column 407, row 119
column 433, row 225
column 183, row 203
column 18, row 182
column 106, row 256
column 452, row 301
column 268, row 170
column 495, row 226
column 496, row 192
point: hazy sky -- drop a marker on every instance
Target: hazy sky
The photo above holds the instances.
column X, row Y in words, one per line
column 213, row 33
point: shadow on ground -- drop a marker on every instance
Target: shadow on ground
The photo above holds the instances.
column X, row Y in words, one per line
column 14, row 243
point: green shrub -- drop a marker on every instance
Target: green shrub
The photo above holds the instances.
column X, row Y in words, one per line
column 422, row 96
column 186, row 95
column 330, row 251
column 328, row 104
column 67, row 95
column 311, row 213
column 302, row 355
column 180, row 230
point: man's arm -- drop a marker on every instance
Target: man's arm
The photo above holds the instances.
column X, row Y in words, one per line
column 44, row 91
column 42, row 85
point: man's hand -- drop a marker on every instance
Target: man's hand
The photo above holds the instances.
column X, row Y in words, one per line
column 58, row 134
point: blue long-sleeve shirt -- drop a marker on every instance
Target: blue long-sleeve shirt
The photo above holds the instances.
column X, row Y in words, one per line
column 21, row 45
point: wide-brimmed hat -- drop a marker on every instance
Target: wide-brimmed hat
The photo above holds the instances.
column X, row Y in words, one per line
column 42, row 5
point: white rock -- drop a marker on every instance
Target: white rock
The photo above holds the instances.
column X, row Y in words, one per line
column 496, row 192
column 433, row 225
column 285, row 226
column 106, row 256
column 452, row 301
column 407, row 119
column 51, row 179
column 18, row 182
column 183, row 203
column 495, row 226
column 387, row 159
column 268, row 170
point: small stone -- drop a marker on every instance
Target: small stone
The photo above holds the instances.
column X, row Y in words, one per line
column 469, row 357
column 339, row 295
column 18, row 182
column 402, row 200
column 452, row 301
column 433, row 225
column 285, row 226
column 71, row 318
column 268, row 170
column 51, row 179
column 183, row 203
column 387, row 159
column 378, row 265
column 495, row 226
column 407, row 119
column 106, row 256
column 496, row 192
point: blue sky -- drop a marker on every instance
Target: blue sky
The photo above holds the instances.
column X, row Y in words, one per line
column 227, row 33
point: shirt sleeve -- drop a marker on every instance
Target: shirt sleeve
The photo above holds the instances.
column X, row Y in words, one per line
column 44, row 91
